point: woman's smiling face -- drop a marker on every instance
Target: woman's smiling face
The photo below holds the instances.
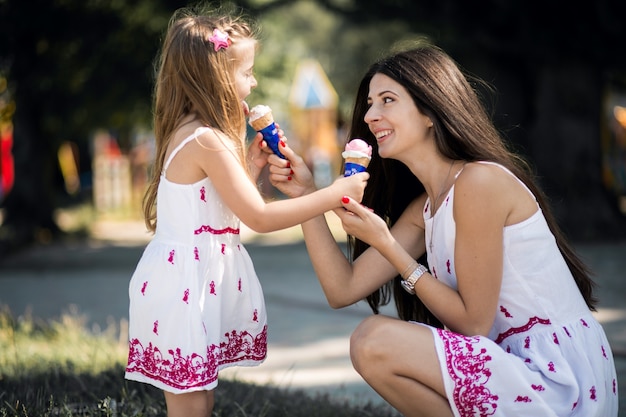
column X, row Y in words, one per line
column 393, row 118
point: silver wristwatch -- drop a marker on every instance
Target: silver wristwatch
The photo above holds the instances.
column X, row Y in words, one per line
column 409, row 283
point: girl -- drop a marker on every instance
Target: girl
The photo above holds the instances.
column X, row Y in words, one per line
column 504, row 307
column 196, row 305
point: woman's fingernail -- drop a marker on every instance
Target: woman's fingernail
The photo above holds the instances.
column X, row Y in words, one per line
column 289, row 165
column 345, row 200
column 260, row 144
column 291, row 172
column 282, row 143
column 288, row 178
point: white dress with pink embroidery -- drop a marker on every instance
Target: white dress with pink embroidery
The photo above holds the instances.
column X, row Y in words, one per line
column 196, row 304
column 545, row 355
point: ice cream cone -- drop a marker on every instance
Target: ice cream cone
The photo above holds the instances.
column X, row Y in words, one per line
column 357, row 156
column 262, row 120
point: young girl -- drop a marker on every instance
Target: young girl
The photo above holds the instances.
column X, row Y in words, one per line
column 505, row 305
column 196, row 305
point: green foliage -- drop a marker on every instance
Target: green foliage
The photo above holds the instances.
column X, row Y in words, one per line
column 59, row 368
column 305, row 29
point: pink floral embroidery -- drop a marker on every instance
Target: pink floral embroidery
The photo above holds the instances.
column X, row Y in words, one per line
column 584, row 323
column 470, row 373
column 435, row 272
column 614, row 386
column 223, row 248
column 196, row 255
column 515, row 330
column 239, row 285
column 143, row 288
column 243, row 345
column 255, row 315
column 426, row 207
column 592, row 392
column 574, row 405
column 209, row 229
column 212, row 288
column 448, row 266
column 155, row 327
column 566, row 331
column 170, row 259
column 527, row 342
column 523, row 399
column 186, row 296
column 506, row 312
column 555, row 339
column 603, row 352
column 203, row 194
column 537, row 387
column 195, row 370
column 551, row 367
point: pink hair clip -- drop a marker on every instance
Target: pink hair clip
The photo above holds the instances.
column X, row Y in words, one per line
column 220, row 39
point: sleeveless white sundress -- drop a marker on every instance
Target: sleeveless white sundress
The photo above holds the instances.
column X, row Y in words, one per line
column 545, row 355
column 196, row 304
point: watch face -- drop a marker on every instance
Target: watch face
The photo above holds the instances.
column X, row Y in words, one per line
column 407, row 286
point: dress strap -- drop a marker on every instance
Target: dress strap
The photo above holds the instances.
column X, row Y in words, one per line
column 191, row 137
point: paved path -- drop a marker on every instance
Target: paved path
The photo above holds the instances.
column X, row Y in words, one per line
column 308, row 341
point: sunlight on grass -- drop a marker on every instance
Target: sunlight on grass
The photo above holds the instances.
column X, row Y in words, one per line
column 28, row 345
column 60, row 368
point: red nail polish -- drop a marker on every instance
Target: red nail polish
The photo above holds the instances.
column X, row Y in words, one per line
column 291, row 172
column 345, row 200
column 282, row 144
column 289, row 165
column 288, row 178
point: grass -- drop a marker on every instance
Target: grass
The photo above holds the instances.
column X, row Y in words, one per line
column 60, row 368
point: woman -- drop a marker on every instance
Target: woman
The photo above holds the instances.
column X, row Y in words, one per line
column 503, row 311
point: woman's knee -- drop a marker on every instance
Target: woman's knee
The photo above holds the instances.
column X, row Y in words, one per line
column 368, row 342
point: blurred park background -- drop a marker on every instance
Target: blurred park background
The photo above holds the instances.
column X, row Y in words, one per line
column 76, row 146
column 76, row 82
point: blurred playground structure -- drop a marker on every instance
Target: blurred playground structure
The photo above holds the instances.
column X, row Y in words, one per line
column 7, row 108
column 119, row 177
column 313, row 112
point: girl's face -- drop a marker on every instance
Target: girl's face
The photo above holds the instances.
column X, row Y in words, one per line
column 244, row 67
column 393, row 118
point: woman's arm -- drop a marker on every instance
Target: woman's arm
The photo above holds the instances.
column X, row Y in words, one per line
column 480, row 211
column 344, row 283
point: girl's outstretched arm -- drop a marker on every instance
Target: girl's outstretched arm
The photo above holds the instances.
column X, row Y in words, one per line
column 214, row 154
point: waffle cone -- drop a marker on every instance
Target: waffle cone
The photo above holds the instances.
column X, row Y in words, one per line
column 364, row 161
column 262, row 122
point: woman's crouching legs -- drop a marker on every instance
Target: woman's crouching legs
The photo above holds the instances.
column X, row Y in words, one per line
column 398, row 360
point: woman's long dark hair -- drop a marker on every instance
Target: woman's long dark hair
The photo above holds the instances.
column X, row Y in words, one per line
column 463, row 131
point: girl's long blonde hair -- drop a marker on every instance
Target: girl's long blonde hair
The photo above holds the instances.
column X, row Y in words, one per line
column 191, row 77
